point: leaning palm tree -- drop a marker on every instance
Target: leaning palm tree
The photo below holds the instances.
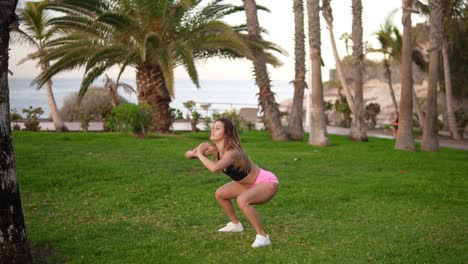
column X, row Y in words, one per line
column 404, row 140
column 14, row 247
column 38, row 32
column 112, row 89
column 152, row 36
column 429, row 140
column 266, row 96
column 318, row 131
column 328, row 15
column 295, row 130
column 358, row 126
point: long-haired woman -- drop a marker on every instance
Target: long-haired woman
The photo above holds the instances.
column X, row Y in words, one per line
column 250, row 184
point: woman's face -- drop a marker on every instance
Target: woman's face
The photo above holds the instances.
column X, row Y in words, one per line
column 217, row 133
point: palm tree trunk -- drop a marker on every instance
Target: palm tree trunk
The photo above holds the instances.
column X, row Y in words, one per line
column 388, row 75
column 58, row 121
column 13, row 242
column 448, row 93
column 296, row 131
column 266, row 97
column 318, row 132
column 429, row 140
column 151, row 88
column 327, row 13
column 404, row 139
column 445, row 121
column 358, row 126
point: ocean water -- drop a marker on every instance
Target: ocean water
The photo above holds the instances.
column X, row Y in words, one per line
column 222, row 94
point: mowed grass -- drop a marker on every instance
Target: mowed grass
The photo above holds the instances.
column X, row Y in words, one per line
column 114, row 198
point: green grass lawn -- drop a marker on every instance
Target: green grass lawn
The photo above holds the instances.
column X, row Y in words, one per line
column 114, row 198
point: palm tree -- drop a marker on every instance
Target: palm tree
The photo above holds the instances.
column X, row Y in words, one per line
column 328, row 15
column 37, row 33
column 266, row 97
column 391, row 46
column 358, row 126
column 112, row 88
column 451, row 10
column 429, row 140
column 318, row 132
column 404, row 139
column 346, row 37
column 154, row 37
column 296, row 131
column 14, row 247
column 387, row 48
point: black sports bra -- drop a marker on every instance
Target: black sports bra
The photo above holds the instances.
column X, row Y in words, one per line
column 234, row 173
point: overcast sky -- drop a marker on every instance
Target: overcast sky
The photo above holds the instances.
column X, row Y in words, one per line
column 280, row 25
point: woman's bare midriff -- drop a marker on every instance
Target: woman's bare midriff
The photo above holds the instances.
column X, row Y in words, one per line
column 250, row 179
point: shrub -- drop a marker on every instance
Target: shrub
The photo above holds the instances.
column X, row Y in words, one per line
column 342, row 106
column 176, row 114
column 235, row 118
column 328, row 107
column 14, row 117
column 131, row 117
column 192, row 114
column 206, row 120
column 462, row 120
column 370, row 114
column 32, row 116
column 85, row 119
column 95, row 102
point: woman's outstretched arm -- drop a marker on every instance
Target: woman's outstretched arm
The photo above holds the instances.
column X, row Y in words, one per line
column 215, row 166
column 210, row 150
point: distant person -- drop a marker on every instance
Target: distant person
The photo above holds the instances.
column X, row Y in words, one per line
column 250, row 186
column 395, row 124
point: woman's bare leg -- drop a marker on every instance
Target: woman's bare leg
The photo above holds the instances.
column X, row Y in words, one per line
column 225, row 194
column 257, row 194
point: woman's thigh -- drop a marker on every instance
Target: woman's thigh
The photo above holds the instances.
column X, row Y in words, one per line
column 258, row 194
column 230, row 190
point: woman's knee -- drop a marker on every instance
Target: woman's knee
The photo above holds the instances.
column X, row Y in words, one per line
column 242, row 201
column 219, row 194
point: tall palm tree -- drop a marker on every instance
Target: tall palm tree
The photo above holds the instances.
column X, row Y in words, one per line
column 328, row 15
column 358, row 126
column 152, row 36
column 37, row 33
column 296, row 131
column 14, row 246
column 429, row 140
column 391, row 43
column 266, row 96
column 318, row 132
column 387, row 48
column 452, row 9
column 404, row 139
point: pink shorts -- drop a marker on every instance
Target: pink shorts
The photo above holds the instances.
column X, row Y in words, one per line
column 266, row 177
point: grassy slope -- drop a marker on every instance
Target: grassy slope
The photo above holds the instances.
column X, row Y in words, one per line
column 112, row 198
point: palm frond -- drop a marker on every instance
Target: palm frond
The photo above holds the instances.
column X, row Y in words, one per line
column 188, row 61
column 167, row 65
column 92, row 75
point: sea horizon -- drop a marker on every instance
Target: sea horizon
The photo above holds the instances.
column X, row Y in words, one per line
column 221, row 94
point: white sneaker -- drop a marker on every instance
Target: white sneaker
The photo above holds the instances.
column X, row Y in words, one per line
column 261, row 241
column 231, row 227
